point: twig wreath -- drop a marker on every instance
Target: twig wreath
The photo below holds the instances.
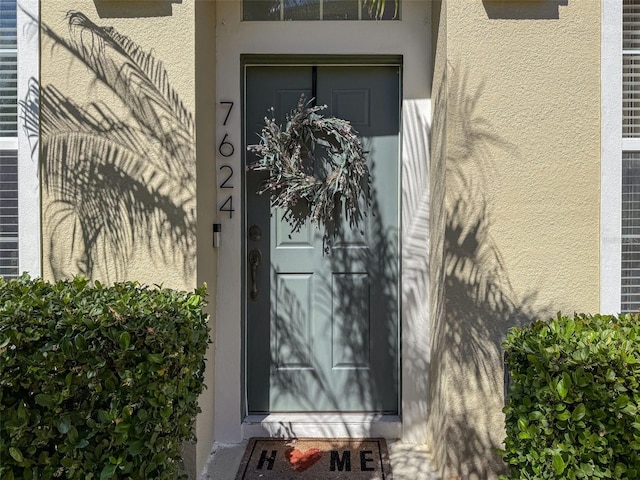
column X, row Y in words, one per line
column 317, row 169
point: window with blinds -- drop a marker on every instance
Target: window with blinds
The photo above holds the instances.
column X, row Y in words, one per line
column 630, row 272
column 8, row 140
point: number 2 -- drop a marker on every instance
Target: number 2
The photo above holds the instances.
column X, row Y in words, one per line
column 229, row 175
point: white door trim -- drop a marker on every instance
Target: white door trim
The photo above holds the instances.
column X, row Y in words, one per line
column 611, row 159
column 409, row 38
column 29, row 238
column 321, row 425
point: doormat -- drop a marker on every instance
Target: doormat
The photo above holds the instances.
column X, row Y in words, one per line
column 315, row 458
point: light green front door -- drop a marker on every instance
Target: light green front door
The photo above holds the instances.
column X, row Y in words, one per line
column 322, row 328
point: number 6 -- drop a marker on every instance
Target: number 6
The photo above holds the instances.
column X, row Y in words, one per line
column 224, row 147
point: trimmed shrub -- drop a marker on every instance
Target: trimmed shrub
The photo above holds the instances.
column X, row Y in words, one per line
column 98, row 382
column 572, row 409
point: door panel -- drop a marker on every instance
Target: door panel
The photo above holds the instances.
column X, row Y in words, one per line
column 322, row 333
column 356, row 352
column 294, row 329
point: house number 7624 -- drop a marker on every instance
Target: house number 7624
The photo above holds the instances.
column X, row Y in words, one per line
column 226, row 150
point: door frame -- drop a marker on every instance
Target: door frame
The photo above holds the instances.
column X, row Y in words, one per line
column 410, row 39
column 320, row 61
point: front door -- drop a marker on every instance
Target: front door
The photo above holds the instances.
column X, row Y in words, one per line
column 322, row 328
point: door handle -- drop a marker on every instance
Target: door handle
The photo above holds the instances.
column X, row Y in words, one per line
column 255, row 259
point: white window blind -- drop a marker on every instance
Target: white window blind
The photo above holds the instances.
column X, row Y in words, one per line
column 630, row 234
column 631, row 92
column 8, row 69
column 630, row 231
column 8, row 213
column 8, row 140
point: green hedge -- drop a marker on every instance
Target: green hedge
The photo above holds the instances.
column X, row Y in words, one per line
column 98, row 382
column 573, row 405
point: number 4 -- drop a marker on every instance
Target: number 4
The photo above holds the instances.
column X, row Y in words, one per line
column 227, row 206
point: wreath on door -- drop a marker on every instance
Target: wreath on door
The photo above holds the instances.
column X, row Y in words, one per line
column 317, row 169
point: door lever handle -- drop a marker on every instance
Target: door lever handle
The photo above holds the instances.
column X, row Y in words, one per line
column 255, row 259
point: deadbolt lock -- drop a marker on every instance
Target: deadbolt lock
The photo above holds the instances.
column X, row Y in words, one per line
column 255, row 233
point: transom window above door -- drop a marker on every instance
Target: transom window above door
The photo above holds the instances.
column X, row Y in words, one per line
column 276, row 10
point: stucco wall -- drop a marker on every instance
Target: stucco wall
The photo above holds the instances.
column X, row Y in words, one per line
column 119, row 113
column 437, row 218
column 118, row 142
column 521, row 146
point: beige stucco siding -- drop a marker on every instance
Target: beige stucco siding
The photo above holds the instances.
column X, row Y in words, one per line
column 521, row 145
column 531, row 105
column 437, row 221
column 128, row 209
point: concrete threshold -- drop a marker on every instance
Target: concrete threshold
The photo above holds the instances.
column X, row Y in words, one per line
column 408, row 462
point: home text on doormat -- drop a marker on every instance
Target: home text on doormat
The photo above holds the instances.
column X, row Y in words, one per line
column 317, row 459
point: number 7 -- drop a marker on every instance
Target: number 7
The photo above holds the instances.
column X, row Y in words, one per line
column 228, row 111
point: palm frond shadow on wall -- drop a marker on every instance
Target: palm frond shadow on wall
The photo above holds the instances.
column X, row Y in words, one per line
column 123, row 183
column 476, row 303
